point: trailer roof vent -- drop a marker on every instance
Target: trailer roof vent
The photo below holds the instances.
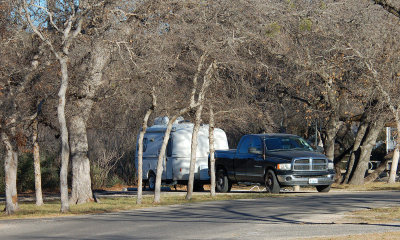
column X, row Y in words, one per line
column 164, row 120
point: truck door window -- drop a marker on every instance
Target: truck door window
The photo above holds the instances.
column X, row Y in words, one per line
column 257, row 144
column 244, row 145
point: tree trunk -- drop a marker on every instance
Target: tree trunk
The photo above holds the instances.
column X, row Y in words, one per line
column 10, row 169
column 157, row 190
column 192, row 105
column 200, row 102
column 366, row 149
column 36, row 163
column 331, row 131
column 140, row 148
column 81, row 183
column 357, row 142
column 64, row 135
column 395, row 160
column 212, row 151
column 193, row 153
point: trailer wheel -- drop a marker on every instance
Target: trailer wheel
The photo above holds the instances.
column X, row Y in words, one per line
column 271, row 183
column 222, row 182
column 152, row 181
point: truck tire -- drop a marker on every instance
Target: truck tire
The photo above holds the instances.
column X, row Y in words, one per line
column 222, row 183
column 271, row 182
column 152, row 181
column 323, row 188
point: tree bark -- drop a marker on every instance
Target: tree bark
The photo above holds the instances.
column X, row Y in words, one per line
column 212, row 153
column 10, row 168
column 157, row 190
column 200, row 101
column 366, row 148
column 36, row 163
column 193, row 153
column 81, row 191
column 140, row 147
column 331, row 131
column 81, row 183
column 64, row 135
column 395, row 159
column 357, row 142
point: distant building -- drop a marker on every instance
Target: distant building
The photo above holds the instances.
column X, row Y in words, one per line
column 391, row 133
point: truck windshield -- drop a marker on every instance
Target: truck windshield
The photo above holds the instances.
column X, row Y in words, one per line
column 287, row 143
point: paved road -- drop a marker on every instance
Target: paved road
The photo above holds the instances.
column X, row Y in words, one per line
column 307, row 215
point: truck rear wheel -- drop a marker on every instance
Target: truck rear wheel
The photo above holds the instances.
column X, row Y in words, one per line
column 222, row 182
column 198, row 187
column 323, row 188
column 271, row 182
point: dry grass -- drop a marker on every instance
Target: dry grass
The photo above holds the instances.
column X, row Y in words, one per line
column 375, row 215
column 375, row 186
column 369, row 236
column 52, row 208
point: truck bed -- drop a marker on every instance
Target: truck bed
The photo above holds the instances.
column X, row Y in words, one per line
column 228, row 154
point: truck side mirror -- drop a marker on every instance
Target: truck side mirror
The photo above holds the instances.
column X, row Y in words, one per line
column 254, row 150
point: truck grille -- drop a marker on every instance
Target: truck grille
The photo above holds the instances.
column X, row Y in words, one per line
column 310, row 164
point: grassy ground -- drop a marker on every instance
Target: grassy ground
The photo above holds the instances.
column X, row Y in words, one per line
column 375, row 215
column 52, row 208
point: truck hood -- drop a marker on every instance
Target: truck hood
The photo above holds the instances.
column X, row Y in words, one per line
column 291, row 154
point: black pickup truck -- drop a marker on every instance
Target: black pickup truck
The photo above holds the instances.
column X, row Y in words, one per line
column 275, row 160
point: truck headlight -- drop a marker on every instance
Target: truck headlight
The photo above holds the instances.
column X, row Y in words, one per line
column 284, row 166
column 330, row 165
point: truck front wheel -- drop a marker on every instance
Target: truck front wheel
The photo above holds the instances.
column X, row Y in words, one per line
column 222, row 182
column 323, row 188
column 271, row 182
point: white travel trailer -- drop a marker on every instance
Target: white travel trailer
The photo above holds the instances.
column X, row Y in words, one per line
column 176, row 162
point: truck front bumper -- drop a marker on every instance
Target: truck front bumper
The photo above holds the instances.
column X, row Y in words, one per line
column 304, row 180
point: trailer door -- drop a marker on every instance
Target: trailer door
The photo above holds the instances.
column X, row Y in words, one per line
column 169, row 160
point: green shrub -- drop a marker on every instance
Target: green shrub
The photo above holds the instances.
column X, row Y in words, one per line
column 305, row 24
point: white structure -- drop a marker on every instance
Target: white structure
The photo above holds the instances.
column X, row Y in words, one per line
column 177, row 161
column 390, row 139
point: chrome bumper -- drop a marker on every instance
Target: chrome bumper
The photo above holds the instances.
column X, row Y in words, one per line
column 293, row 180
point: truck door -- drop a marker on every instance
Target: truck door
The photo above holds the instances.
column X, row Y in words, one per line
column 255, row 162
column 241, row 158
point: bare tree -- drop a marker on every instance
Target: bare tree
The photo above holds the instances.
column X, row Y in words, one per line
column 16, row 95
column 36, row 159
column 192, row 104
column 392, row 7
column 196, row 127
column 212, row 152
column 140, row 147
column 69, row 30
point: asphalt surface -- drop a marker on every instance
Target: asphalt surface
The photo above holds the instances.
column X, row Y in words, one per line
column 306, row 215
